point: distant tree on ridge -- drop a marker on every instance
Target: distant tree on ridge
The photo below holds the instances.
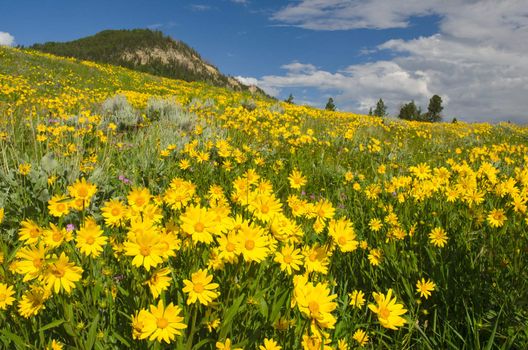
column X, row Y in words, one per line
column 381, row 109
column 410, row 111
column 330, row 106
column 434, row 109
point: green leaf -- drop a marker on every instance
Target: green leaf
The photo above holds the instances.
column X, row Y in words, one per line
column 491, row 339
column 69, row 329
column 122, row 291
column 68, row 316
column 51, row 325
column 277, row 305
column 92, row 333
column 121, row 339
column 15, row 339
column 201, row 343
column 48, row 163
column 229, row 315
column 263, row 308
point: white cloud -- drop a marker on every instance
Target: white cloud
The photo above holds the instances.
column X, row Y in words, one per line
column 296, row 67
column 477, row 62
column 200, row 7
column 352, row 14
column 247, row 80
column 356, row 87
column 6, row 39
column 273, row 91
column 155, row 26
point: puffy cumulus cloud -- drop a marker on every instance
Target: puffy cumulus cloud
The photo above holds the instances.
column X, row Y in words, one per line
column 6, row 39
column 352, row 14
column 477, row 62
column 482, row 82
column 247, row 80
column 270, row 90
column 353, row 87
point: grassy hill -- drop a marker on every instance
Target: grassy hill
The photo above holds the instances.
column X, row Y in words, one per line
column 123, row 194
column 146, row 51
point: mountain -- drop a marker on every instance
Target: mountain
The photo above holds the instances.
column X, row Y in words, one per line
column 147, row 51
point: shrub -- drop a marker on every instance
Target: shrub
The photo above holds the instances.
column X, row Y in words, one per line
column 158, row 108
column 167, row 111
column 119, row 111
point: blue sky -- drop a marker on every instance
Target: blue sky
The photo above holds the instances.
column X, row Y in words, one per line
column 354, row 51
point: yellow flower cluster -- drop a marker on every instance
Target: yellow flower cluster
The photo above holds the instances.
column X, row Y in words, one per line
column 234, row 213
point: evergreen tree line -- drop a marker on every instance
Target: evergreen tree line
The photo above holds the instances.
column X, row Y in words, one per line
column 408, row 111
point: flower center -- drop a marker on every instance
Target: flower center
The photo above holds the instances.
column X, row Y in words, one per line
column 57, row 236
column 34, row 233
column 163, row 246
column 115, row 211
column 145, row 251
column 384, row 312
column 90, row 240
column 321, row 213
column 313, row 256
column 82, row 192
column 3, row 296
column 140, row 201
column 230, row 247
column 314, row 344
column 264, row 209
column 313, row 306
column 288, row 259
column 57, row 272
column 199, row 227
column 342, row 240
column 162, row 323
column 198, row 287
column 250, row 244
column 61, row 207
column 37, row 262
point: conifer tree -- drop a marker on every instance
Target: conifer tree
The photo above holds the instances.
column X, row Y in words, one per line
column 330, row 106
column 381, row 109
column 410, row 111
column 434, row 109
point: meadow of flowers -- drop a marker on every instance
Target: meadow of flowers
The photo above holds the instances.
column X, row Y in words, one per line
column 149, row 213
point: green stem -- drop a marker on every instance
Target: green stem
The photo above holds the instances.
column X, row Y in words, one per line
column 193, row 328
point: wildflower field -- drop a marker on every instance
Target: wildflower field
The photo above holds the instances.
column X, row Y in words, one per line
column 148, row 213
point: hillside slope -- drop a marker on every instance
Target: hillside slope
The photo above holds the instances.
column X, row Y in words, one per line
column 136, row 185
column 146, row 51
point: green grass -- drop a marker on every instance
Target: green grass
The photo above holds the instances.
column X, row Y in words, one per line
column 480, row 301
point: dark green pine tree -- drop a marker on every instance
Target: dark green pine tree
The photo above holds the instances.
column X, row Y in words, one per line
column 289, row 99
column 381, row 109
column 330, row 106
column 410, row 111
column 434, row 109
